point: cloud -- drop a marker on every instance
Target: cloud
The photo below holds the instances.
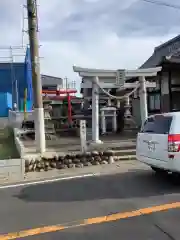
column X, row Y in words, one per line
column 151, row 20
column 81, row 20
column 92, row 33
column 10, row 22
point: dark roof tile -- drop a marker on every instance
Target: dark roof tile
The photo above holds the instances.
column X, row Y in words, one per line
column 162, row 51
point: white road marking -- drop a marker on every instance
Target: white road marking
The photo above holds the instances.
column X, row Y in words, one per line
column 49, row 180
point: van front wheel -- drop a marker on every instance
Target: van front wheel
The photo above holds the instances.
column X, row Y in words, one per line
column 158, row 170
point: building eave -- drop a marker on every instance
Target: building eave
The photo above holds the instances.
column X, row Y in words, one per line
column 175, row 60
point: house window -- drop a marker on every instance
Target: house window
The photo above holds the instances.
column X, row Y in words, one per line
column 154, row 101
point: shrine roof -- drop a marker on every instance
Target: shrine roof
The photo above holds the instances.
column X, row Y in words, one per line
column 166, row 51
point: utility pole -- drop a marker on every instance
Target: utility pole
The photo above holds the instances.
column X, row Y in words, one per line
column 36, row 77
column 66, row 83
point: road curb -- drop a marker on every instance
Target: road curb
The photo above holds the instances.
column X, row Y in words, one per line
column 67, row 175
column 49, row 180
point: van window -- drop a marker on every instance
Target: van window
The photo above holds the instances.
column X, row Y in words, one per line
column 157, row 124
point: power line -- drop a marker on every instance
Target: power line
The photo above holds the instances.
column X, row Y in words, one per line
column 162, row 4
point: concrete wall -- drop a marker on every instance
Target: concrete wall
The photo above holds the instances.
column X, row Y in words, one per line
column 12, row 169
column 18, row 143
column 15, row 121
column 16, row 118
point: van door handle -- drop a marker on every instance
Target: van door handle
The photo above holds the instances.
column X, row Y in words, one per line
column 150, row 142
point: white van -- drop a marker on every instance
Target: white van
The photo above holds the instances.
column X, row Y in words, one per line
column 158, row 142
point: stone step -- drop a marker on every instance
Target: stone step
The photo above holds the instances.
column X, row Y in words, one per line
column 125, row 152
column 115, row 147
column 127, row 157
column 124, row 148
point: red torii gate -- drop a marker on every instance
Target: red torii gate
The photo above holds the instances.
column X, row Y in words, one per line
column 68, row 93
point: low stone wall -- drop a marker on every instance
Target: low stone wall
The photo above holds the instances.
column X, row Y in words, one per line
column 18, row 143
column 71, row 161
column 12, row 169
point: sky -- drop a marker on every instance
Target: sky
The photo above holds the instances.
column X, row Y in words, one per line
column 109, row 34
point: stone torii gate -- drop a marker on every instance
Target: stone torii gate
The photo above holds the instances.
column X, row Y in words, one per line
column 97, row 78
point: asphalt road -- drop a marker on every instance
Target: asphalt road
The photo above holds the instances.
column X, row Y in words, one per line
column 36, row 206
